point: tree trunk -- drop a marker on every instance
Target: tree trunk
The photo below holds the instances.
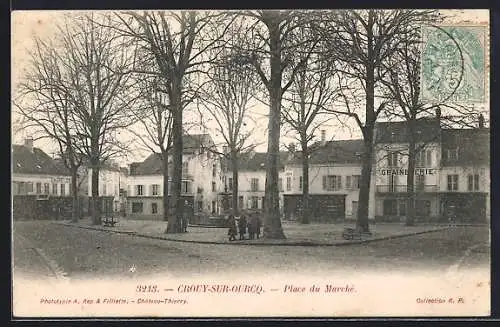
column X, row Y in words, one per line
column 305, row 183
column 175, row 218
column 75, row 214
column 370, row 117
column 96, row 210
column 272, row 221
column 165, row 187
column 234, row 195
column 410, row 179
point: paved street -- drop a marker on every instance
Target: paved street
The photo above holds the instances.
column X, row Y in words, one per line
column 83, row 254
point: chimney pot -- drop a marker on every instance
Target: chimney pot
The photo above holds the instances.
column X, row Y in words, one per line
column 29, row 143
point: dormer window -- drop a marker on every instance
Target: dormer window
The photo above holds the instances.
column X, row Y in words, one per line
column 452, row 154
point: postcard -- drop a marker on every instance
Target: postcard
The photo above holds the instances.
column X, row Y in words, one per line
column 250, row 163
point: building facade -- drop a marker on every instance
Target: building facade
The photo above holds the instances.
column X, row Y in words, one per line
column 41, row 186
column 200, row 187
column 252, row 180
column 334, row 176
column 112, row 185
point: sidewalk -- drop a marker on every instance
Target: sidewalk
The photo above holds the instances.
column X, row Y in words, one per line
column 314, row 234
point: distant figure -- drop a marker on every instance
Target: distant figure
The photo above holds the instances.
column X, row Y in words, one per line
column 232, row 228
column 253, row 227
column 185, row 222
column 258, row 224
column 242, row 227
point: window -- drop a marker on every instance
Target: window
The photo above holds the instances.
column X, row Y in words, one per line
column 39, row 188
column 402, row 207
column 185, row 167
column 390, row 207
column 63, row 189
column 230, row 184
column 186, row 186
column 139, row 190
column 393, row 183
column 29, row 187
column 473, row 182
column 104, row 189
column 154, row 208
column 289, row 183
column 280, row 184
column 392, row 159
column 214, row 170
column 21, row 189
column 332, row 182
column 452, row 154
column 213, row 187
column 301, row 183
column 452, row 182
column 240, row 202
column 214, row 206
column 255, row 202
column 352, row 182
column 200, row 206
column 154, row 189
column 137, row 207
column 423, row 158
column 46, row 188
column 254, row 184
column 54, row 189
column 420, row 182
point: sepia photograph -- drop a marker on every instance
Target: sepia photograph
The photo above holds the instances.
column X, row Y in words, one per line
column 250, row 163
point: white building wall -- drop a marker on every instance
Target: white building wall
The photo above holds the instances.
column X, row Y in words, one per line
column 45, row 179
column 316, row 173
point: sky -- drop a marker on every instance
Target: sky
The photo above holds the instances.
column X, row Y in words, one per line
column 28, row 24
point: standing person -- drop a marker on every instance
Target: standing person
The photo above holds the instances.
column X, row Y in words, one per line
column 251, row 227
column 232, row 228
column 258, row 224
column 242, row 226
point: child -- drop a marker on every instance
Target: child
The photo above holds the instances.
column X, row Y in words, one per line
column 232, row 228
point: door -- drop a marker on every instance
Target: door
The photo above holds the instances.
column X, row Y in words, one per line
column 354, row 210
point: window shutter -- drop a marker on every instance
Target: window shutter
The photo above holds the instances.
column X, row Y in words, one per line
column 150, row 190
column 339, row 182
column 324, row 182
column 348, row 182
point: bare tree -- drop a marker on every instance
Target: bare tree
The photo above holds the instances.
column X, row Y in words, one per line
column 363, row 40
column 153, row 129
column 44, row 102
column 226, row 100
column 178, row 43
column 402, row 84
column 98, row 63
column 274, row 56
column 313, row 90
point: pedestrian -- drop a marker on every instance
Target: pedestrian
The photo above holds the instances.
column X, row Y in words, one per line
column 185, row 222
column 242, row 226
column 232, row 228
column 251, row 227
column 258, row 224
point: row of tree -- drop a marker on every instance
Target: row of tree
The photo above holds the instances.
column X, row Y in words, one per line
column 107, row 72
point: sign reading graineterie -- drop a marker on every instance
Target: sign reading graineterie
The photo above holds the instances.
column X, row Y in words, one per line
column 60, row 180
column 401, row 171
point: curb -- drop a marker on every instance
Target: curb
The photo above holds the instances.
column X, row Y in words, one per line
column 298, row 243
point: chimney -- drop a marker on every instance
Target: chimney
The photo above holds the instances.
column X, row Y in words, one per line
column 438, row 114
column 481, row 121
column 29, row 143
column 323, row 136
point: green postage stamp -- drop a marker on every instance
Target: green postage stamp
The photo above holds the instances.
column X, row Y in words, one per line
column 454, row 64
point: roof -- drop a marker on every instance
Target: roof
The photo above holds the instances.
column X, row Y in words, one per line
column 25, row 161
column 153, row 165
column 428, row 130
column 336, row 152
column 473, row 146
column 254, row 161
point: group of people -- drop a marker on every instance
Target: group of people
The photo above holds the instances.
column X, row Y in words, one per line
column 253, row 225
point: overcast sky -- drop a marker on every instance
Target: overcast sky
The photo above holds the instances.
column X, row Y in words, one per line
column 27, row 24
